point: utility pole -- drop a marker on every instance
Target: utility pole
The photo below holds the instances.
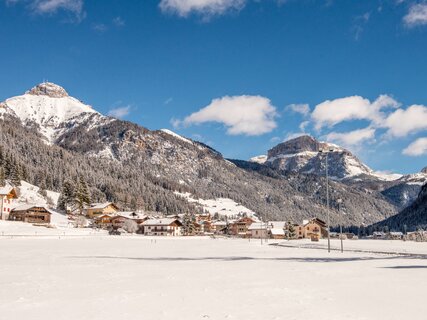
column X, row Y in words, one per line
column 327, row 195
column 339, row 211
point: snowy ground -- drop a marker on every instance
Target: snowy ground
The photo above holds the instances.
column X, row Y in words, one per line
column 135, row 277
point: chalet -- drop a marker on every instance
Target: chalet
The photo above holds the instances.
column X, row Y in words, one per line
column 120, row 217
column 258, row 230
column 378, row 235
column 162, row 227
column 31, row 213
column 104, row 221
column 395, row 236
column 7, row 196
column 278, row 229
column 240, row 227
column 219, row 227
column 314, row 228
column 98, row 209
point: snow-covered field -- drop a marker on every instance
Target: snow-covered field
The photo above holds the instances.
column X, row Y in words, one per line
column 135, row 277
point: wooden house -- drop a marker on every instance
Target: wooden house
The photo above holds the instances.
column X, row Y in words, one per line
column 162, row 227
column 98, row 209
column 104, row 221
column 315, row 229
column 31, row 213
column 240, row 227
column 7, row 196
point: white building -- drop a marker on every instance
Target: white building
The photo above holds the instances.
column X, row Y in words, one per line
column 7, row 197
column 162, row 227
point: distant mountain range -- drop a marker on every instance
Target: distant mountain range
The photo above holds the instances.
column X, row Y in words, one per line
column 54, row 137
column 301, row 155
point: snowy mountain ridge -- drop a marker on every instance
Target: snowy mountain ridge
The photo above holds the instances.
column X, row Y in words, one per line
column 48, row 107
column 302, row 155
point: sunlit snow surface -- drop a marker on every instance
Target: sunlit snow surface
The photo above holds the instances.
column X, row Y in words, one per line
column 134, row 277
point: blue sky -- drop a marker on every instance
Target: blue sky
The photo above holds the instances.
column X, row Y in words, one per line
column 240, row 75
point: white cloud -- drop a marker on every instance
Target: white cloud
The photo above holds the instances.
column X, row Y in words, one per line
column 301, row 108
column 416, row 148
column 332, row 112
column 352, row 138
column 119, row 112
column 303, row 125
column 99, row 27
column 207, row 8
column 53, row 6
column 248, row 115
column 403, row 122
column 416, row 16
column 119, row 22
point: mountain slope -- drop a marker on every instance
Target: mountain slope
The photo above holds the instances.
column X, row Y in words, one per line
column 137, row 167
column 413, row 217
column 301, row 155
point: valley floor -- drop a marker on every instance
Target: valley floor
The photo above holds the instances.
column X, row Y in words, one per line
column 95, row 276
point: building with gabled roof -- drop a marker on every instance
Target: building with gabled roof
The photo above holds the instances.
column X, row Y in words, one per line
column 8, row 195
column 98, row 209
column 31, row 213
column 162, row 227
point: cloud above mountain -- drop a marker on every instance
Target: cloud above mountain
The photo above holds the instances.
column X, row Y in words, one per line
column 205, row 8
column 247, row 115
column 332, row 112
column 416, row 148
column 74, row 7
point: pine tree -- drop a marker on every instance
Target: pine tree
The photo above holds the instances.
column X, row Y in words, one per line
column 2, row 177
column 15, row 174
column 188, row 224
column 291, row 231
column 66, row 198
column 82, row 196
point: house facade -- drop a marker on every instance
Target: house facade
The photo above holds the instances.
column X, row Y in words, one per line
column 240, row 227
column 7, row 198
column 162, row 227
column 98, row 209
column 31, row 213
column 259, row 230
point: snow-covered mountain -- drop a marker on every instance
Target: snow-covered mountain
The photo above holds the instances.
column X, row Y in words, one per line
column 302, row 155
column 149, row 167
column 50, row 109
column 261, row 159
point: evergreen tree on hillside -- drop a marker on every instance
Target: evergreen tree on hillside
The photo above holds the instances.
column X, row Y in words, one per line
column 66, row 198
column 2, row 177
column 15, row 174
column 82, row 196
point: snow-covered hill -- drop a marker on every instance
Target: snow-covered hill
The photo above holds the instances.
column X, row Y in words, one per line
column 302, row 155
column 49, row 108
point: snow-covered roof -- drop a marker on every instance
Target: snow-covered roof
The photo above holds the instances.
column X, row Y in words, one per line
column 4, row 191
column 26, row 207
column 220, row 223
column 129, row 215
column 159, row 222
column 277, row 231
column 277, row 224
column 258, row 226
column 101, row 205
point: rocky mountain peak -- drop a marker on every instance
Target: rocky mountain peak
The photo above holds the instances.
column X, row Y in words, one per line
column 424, row 170
column 48, row 89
